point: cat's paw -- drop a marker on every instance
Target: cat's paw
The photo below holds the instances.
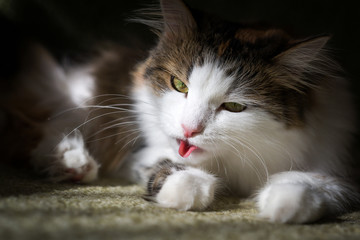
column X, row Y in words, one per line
column 182, row 188
column 190, row 189
column 73, row 162
column 290, row 203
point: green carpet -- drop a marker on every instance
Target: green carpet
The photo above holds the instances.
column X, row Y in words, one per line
column 33, row 209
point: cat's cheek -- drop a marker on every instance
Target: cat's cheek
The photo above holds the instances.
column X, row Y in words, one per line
column 190, row 189
column 290, row 203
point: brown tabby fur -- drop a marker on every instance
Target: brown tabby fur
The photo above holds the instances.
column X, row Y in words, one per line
column 253, row 55
column 249, row 53
column 25, row 116
column 113, row 79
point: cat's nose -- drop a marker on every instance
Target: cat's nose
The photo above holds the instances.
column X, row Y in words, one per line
column 190, row 131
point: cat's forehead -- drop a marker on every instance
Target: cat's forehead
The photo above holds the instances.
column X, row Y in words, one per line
column 210, row 80
column 235, row 47
column 245, row 41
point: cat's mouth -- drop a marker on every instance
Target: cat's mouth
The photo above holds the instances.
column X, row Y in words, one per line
column 185, row 148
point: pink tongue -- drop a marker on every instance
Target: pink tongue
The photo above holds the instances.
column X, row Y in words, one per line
column 185, row 149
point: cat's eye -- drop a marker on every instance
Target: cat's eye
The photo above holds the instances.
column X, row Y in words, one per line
column 179, row 85
column 233, row 107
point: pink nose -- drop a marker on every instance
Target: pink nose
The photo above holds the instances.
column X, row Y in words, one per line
column 190, row 132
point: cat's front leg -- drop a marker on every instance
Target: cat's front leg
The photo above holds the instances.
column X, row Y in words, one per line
column 177, row 186
column 300, row 197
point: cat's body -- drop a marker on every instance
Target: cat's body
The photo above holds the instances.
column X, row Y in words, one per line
column 218, row 106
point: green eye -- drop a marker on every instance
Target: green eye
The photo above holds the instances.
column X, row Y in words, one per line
column 178, row 85
column 233, row 107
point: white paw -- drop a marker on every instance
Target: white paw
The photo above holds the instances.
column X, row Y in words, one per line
column 290, row 203
column 190, row 189
column 73, row 162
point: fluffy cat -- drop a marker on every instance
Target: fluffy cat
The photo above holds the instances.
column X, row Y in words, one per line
column 215, row 106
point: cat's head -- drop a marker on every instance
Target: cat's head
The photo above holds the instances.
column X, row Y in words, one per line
column 217, row 85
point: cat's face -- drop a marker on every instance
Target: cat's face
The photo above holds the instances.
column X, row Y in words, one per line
column 220, row 87
column 212, row 116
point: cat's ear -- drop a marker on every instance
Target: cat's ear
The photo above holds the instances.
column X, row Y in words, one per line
column 177, row 18
column 299, row 57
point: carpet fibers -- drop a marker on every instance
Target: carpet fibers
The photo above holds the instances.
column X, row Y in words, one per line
column 33, row 209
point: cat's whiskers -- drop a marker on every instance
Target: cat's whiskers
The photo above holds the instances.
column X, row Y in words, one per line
column 245, row 159
column 90, row 120
column 245, row 144
column 214, row 153
column 135, row 132
column 95, row 107
column 242, row 156
column 280, row 148
column 106, row 124
column 99, row 107
column 274, row 143
column 118, row 123
column 122, row 124
column 116, row 108
column 254, row 151
column 218, row 161
column 116, row 95
column 85, row 104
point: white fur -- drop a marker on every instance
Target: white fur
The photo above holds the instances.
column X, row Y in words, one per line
column 73, row 156
column 80, row 85
column 294, row 197
column 65, row 158
column 246, row 148
column 190, row 189
column 137, row 168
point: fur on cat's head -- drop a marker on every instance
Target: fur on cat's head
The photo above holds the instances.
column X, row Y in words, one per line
column 268, row 76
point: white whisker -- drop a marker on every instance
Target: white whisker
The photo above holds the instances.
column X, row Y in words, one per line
column 108, row 136
column 245, row 159
column 129, row 141
column 255, row 152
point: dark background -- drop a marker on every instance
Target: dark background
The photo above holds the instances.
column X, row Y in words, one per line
column 67, row 27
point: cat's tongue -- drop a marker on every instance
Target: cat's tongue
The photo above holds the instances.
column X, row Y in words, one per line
column 186, row 149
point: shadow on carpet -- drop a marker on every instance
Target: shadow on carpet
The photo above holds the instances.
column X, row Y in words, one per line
column 31, row 208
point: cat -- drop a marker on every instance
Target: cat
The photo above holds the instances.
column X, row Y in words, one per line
column 214, row 107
